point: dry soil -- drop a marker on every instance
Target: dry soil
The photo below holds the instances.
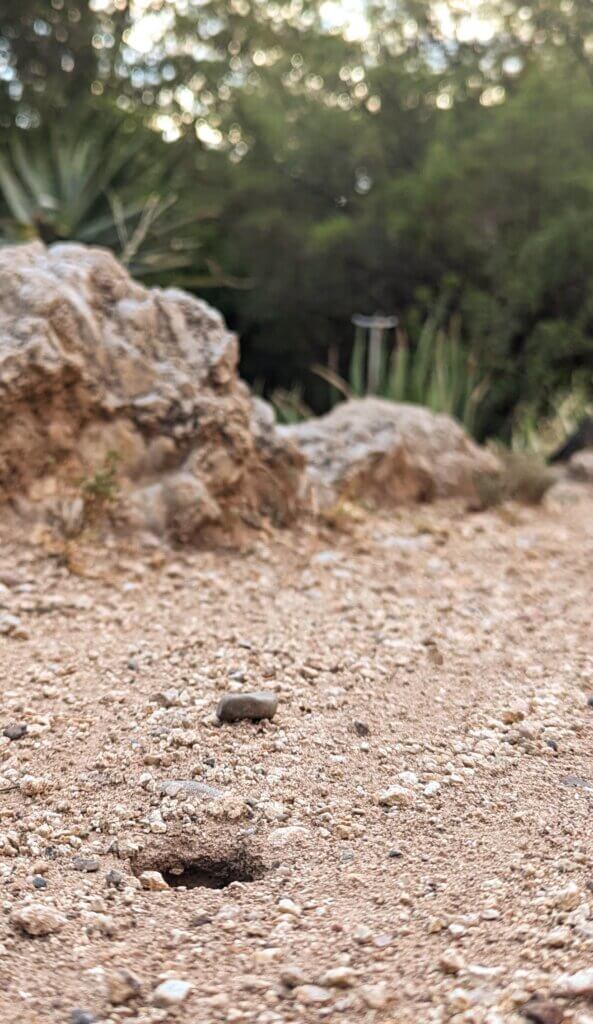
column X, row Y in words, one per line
column 409, row 840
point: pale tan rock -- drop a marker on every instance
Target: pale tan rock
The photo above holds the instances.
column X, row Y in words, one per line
column 122, row 986
column 387, row 453
column 171, row 992
column 376, row 997
column 580, row 466
column 312, row 995
column 395, row 795
column 578, row 984
column 153, row 881
column 288, row 835
column 94, row 366
column 339, row 977
column 451, row 961
column 38, row 919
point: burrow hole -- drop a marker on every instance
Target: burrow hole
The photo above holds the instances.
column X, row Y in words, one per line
column 199, row 871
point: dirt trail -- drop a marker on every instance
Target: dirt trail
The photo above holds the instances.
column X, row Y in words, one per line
column 416, row 817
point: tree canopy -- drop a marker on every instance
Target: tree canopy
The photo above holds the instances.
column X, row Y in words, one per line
column 432, row 155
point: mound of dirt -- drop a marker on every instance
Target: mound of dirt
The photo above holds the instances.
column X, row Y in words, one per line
column 106, row 384
column 387, row 453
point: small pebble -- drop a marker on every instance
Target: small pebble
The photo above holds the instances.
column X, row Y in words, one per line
column 171, row 992
column 376, row 997
column 395, row 795
column 122, row 986
column 339, row 977
column 87, row 865
column 153, row 881
column 286, row 906
column 37, row 919
column 292, row 976
column 81, row 1017
column 234, row 707
column 543, row 1011
column 312, row 995
column 15, row 732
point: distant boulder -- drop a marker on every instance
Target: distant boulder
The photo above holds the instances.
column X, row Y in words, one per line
column 387, row 453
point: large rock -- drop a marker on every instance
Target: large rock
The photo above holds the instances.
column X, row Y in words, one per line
column 386, row 453
column 580, row 466
column 92, row 363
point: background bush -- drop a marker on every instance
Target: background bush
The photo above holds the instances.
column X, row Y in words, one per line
column 296, row 177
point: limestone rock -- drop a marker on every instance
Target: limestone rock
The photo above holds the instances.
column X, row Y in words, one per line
column 580, row 466
column 579, row 984
column 122, row 986
column 387, row 453
column 92, row 363
column 153, row 881
column 38, row 919
column 171, row 992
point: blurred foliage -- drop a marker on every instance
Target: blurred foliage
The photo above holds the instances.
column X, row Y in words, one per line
column 95, row 180
column 437, row 371
column 543, row 435
column 523, row 477
column 302, row 173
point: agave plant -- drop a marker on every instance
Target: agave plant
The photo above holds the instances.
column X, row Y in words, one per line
column 437, row 372
column 94, row 180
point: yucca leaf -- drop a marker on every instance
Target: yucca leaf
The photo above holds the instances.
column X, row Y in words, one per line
column 356, row 374
column 14, row 194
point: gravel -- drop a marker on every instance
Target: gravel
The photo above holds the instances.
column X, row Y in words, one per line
column 487, row 916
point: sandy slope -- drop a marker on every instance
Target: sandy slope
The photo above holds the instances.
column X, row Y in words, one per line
column 462, row 643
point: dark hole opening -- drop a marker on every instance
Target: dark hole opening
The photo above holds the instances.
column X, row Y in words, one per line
column 207, row 874
column 191, row 869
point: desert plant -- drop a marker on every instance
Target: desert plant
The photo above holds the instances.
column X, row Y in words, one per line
column 523, row 477
column 91, row 179
column 437, row 372
column 543, row 435
column 100, row 490
column 289, row 405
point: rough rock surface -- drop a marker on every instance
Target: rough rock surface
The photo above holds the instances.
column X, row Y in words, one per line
column 38, row 919
column 92, row 363
column 387, row 453
column 580, row 467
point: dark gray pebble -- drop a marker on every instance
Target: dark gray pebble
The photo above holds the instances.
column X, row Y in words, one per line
column 234, row 707
column 577, row 783
column 15, row 732
column 87, row 864
column 81, row 1017
column 199, row 920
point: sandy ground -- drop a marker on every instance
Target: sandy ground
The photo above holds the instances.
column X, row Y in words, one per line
column 410, row 838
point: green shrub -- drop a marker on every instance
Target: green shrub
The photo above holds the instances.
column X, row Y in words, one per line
column 437, row 372
column 523, row 477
